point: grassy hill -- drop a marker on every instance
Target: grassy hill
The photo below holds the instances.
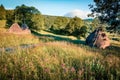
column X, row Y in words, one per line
column 2, row 23
column 56, row 57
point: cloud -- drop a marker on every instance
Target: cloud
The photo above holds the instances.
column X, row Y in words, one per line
column 79, row 13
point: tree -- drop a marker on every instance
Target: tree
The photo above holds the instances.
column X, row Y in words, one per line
column 2, row 12
column 48, row 21
column 10, row 17
column 83, row 31
column 37, row 22
column 107, row 11
column 24, row 11
column 29, row 15
column 95, row 23
column 59, row 24
column 74, row 26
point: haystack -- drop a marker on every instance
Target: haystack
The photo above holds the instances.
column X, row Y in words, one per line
column 98, row 39
column 25, row 28
column 16, row 29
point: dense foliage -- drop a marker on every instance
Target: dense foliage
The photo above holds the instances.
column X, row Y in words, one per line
column 107, row 11
column 29, row 15
column 48, row 21
column 95, row 23
column 23, row 14
column 59, row 24
column 76, row 27
column 24, row 11
column 69, row 26
column 10, row 17
column 37, row 22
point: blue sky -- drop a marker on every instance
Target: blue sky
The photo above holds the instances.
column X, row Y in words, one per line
column 53, row 7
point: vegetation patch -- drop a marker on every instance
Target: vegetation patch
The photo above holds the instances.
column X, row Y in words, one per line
column 2, row 23
column 58, row 61
column 12, row 40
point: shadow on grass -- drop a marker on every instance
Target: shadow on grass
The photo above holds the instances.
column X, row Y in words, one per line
column 111, row 50
column 114, row 50
column 49, row 37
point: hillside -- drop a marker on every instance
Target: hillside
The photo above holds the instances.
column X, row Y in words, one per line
column 56, row 59
column 56, row 47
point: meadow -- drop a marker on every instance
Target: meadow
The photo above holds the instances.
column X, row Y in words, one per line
column 57, row 57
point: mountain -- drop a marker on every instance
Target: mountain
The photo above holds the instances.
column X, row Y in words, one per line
column 89, row 20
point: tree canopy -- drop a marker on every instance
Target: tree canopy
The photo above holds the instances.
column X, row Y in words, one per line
column 37, row 22
column 107, row 11
column 74, row 25
column 29, row 15
column 24, row 12
column 95, row 23
column 10, row 17
column 59, row 24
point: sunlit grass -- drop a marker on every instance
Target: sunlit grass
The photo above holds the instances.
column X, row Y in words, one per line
column 48, row 33
column 56, row 60
column 10, row 40
column 59, row 61
column 2, row 30
column 2, row 23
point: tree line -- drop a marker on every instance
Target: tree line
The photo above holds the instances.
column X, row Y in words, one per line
column 36, row 21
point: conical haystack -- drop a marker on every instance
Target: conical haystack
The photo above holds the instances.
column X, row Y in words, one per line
column 24, row 26
column 98, row 38
column 15, row 28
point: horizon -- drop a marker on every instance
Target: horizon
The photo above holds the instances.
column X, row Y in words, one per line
column 66, row 8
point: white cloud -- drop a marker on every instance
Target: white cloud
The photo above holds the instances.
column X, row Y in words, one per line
column 79, row 13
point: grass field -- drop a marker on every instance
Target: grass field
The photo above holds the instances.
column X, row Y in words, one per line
column 12, row 40
column 57, row 57
column 2, row 23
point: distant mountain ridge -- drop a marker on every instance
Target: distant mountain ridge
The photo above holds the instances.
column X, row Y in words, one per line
column 90, row 20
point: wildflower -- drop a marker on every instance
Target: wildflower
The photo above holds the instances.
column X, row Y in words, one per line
column 65, row 69
column 72, row 69
column 47, row 70
column 80, row 72
column 63, row 65
column 23, row 68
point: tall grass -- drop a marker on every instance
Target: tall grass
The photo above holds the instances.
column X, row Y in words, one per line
column 2, row 23
column 58, row 61
column 10, row 40
column 53, row 60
